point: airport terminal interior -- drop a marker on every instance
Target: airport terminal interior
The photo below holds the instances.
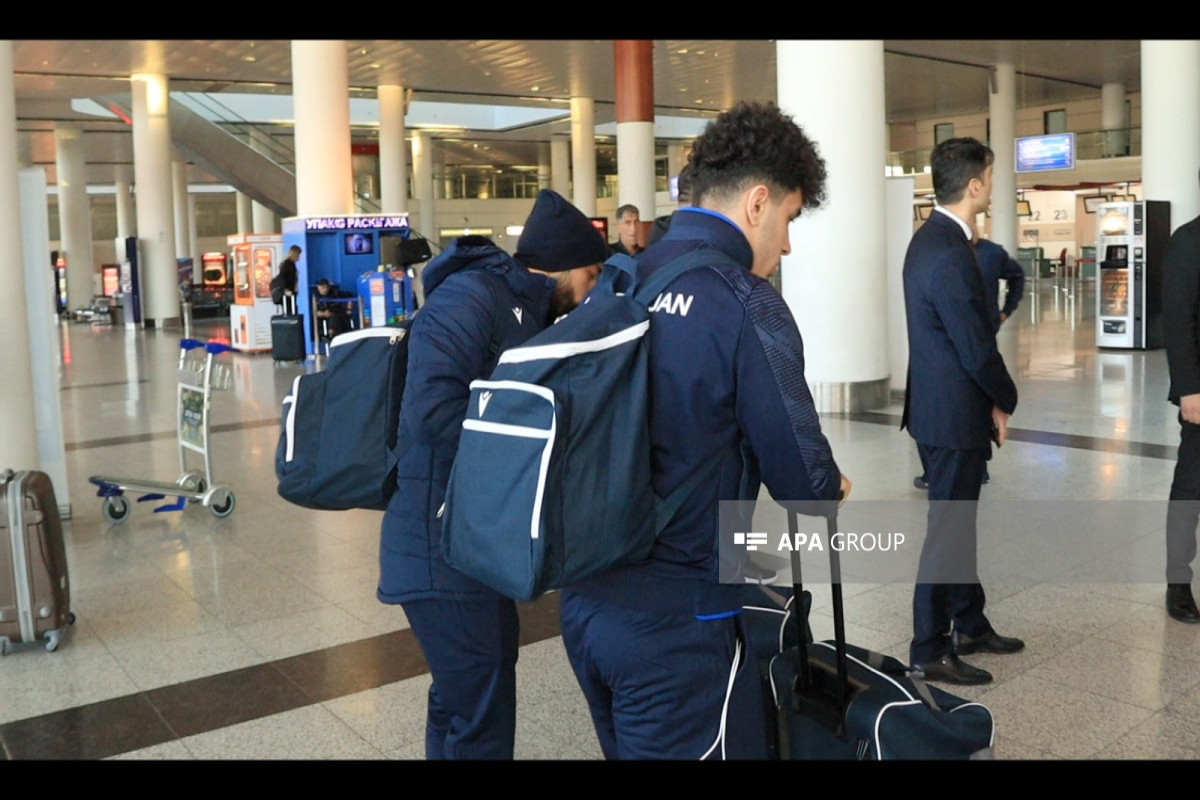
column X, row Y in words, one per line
column 257, row 635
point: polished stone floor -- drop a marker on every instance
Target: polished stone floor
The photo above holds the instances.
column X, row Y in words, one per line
column 258, row 636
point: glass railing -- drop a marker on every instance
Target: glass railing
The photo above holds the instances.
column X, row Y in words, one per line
column 1089, row 145
column 256, row 136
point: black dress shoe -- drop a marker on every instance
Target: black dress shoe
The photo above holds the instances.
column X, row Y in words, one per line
column 951, row 669
column 1180, row 603
column 990, row 642
column 920, row 483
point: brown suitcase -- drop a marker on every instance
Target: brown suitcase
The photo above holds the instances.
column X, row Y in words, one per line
column 35, row 594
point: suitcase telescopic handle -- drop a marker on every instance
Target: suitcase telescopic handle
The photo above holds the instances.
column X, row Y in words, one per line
column 804, row 669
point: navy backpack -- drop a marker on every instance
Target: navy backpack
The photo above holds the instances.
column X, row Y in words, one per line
column 338, row 434
column 551, row 482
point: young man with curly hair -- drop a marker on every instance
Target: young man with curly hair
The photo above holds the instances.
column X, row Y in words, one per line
column 659, row 647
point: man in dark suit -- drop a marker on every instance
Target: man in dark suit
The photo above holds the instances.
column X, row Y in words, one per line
column 1181, row 330
column 995, row 265
column 958, row 401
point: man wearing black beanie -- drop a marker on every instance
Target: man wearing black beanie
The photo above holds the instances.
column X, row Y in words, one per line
column 479, row 302
column 559, row 240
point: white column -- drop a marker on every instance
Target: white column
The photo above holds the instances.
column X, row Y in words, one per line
column 560, row 166
column 1171, row 126
column 675, row 157
column 18, row 434
column 245, row 217
column 321, row 81
column 194, row 242
column 635, row 167
column 1113, row 118
column 74, row 213
column 155, row 220
column 183, row 222
column 1002, row 108
column 422, row 147
column 44, row 353
column 583, row 154
column 126, row 223
column 543, row 173
column 262, row 218
column 393, row 154
column 835, row 279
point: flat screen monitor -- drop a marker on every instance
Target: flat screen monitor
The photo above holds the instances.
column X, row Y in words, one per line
column 1091, row 203
column 1051, row 151
column 924, row 211
column 355, row 244
column 1023, row 209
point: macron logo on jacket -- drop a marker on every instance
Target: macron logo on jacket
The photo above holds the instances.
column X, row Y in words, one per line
column 672, row 304
column 484, row 399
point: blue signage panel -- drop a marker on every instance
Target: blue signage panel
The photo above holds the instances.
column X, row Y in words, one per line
column 1052, row 151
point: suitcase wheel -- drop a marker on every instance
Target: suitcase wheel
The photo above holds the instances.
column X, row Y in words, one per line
column 115, row 509
column 5, row 645
column 52, row 638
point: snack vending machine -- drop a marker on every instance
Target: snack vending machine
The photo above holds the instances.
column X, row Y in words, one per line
column 255, row 258
column 1131, row 240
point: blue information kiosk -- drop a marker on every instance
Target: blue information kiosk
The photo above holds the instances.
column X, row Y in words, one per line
column 341, row 249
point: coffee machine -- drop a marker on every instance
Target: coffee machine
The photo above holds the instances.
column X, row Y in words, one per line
column 1131, row 240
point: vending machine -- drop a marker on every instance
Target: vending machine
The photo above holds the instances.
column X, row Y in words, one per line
column 1131, row 239
column 385, row 298
column 255, row 258
column 214, row 268
column 130, row 294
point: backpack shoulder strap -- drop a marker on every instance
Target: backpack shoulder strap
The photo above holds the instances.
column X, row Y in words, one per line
column 662, row 277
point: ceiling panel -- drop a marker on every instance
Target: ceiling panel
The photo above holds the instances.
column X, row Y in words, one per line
column 924, row 78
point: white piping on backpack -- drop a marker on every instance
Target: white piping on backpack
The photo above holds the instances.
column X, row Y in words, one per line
column 525, row 432
column 349, row 337
column 290, row 426
column 519, row 355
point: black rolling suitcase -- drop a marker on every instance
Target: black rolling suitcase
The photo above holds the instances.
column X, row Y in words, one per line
column 287, row 333
column 834, row 701
column 35, row 593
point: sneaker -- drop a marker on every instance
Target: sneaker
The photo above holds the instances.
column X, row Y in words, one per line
column 753, row 573
column 919, row 482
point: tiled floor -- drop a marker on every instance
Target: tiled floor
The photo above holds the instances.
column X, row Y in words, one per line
column 258, row 636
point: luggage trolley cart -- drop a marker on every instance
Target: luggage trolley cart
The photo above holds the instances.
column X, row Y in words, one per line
column 198, row 376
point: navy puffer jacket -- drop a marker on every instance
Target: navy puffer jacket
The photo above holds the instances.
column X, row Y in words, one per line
column 478, row 303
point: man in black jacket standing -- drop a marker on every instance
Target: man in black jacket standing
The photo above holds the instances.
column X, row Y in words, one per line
column 1181, row 328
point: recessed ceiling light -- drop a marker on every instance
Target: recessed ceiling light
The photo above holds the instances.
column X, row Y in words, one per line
column 249, row 58
column 682, row 51
column 534, row 88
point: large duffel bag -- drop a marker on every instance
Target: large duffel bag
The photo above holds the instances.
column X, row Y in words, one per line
column 832, row 700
